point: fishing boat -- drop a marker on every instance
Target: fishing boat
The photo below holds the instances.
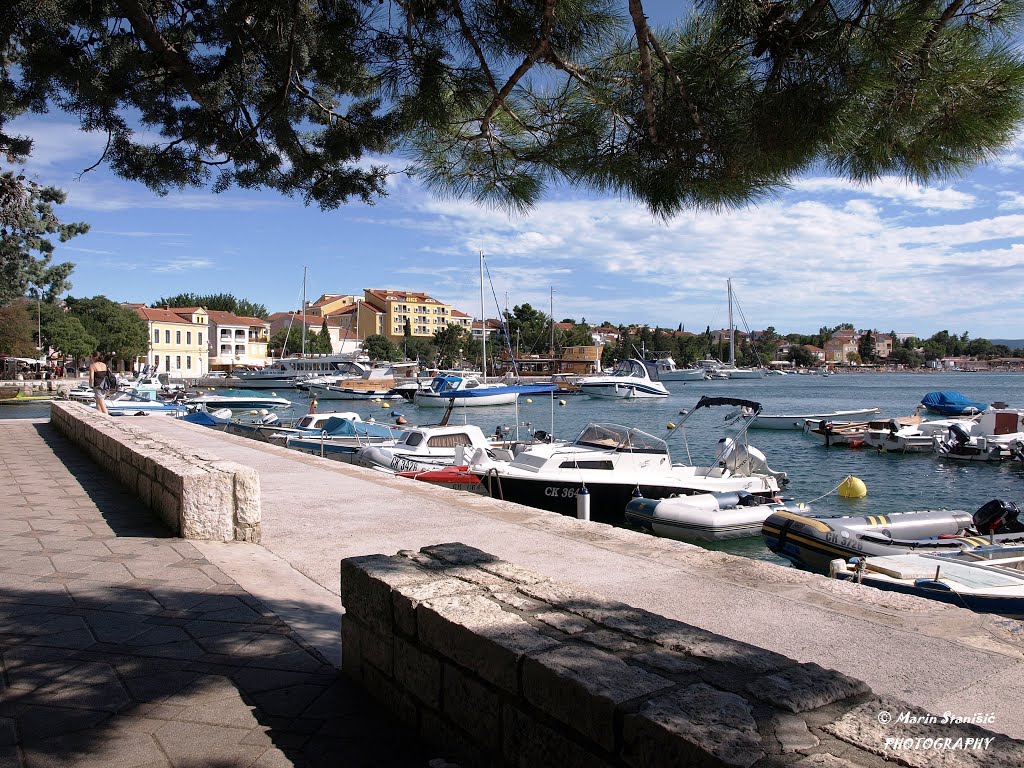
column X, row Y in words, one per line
column 238, row 400
column 631, row 379
column 374, row 384
column 615, row 463
column 853, row 434
column 813, row 543
column 703, row 516
column 951, row 404
column 892, row 436
column 987, row 579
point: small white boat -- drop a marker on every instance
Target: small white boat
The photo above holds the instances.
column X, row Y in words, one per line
column 667, row 371
column 796, row 420
column 238, row 400
column 891, row 436
column 985, row 580
column 424, row 448
column 631, row 379
column 703, row 516
column 471, row 391
column 993, row 437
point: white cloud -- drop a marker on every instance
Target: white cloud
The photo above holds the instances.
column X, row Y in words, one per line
column 182, row 265
column 892, row 189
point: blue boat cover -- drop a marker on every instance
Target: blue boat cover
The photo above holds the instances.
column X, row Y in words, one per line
column 338, row 427
column 950, row 403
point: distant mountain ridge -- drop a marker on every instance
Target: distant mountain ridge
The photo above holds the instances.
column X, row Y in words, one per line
column 1011, row 343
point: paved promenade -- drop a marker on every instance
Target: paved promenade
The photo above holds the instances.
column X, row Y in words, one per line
column 317, row 511
column 123, row 647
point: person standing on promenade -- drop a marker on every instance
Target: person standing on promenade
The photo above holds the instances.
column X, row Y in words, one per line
column 97, row 380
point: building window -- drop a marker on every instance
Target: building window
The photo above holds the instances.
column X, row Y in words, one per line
column 167, row 339
column 225, row 349
column 177, row 362
column 188, row 339
column 156, row 337
column 177, row 338
column 200, row 339
column 167, row 360
column 188, row 362
column 239, row 349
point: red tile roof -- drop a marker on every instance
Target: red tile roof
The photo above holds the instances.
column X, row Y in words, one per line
column 159, row 315
column 219, row 317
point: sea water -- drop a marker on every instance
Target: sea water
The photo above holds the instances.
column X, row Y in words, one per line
column 895, row 482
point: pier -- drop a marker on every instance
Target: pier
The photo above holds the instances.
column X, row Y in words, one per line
column 239, row 643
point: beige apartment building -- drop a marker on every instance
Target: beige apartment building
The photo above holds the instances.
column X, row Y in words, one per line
column 385, row 312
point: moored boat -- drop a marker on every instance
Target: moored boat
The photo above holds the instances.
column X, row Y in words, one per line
column 631, row 379
column 951, row 404
column 797, row 420
column 813, row 543
column 238, row 400
column 702, row 516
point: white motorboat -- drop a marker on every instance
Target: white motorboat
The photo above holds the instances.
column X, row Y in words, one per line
column 471, row 391
column 425, row 448
column 631, row 379
column 797, row 420
column 988, row 579
column 667, row 371
column 615, row 463
column 992, row 437
column 238, row 400
column 893, row 437
column 703, row 516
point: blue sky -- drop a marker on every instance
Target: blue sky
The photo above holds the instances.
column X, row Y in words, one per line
column 889, row 255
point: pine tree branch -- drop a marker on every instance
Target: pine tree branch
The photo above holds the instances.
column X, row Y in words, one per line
column 643, row 32
column 807, row 18
column 698, row 121
column 933, row 34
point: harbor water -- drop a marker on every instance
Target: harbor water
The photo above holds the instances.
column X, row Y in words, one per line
column 895, row 482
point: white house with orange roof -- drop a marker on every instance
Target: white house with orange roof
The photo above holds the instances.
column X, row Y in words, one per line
column 236, row 341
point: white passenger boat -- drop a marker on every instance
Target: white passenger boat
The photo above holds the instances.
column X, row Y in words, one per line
column 797, row 420
column 238, row 400
column 703, row 516
column 287, row 371
column 631, row 379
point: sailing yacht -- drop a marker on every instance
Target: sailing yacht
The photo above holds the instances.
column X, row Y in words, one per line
column 729, row 369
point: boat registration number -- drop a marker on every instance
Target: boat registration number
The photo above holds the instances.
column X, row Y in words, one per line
column 559, row 493
column 401, row 464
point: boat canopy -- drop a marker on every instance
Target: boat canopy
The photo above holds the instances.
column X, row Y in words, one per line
column 706, row 402
column 640, row 369
column 619, row 438
column 338, row 427
column 951, row 403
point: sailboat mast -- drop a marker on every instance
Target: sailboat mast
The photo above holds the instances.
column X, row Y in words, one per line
column 304, row 311
column 483, row 315
column 732, row 328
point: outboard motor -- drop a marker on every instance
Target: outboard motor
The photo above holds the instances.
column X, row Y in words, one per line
column 959, row 435
column 270, row 418
column 998, row 516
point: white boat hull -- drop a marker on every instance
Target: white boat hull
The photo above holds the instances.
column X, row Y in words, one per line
column 622, row 391
column 685, row 374
column 701, row 517
column 431, row 400
column 796, row 421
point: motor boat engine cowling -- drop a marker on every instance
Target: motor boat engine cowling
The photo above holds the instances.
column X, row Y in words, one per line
column 959, row 435
column 998, row 516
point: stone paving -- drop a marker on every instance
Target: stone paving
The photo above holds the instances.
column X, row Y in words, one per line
column 123, row 647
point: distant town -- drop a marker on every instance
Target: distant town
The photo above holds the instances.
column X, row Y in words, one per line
column 192, row 336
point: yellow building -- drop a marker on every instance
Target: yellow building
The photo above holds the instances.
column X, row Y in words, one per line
column 385, row 312
column 178, row 339
column 330, row 304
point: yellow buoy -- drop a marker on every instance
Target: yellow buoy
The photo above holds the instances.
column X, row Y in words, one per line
column 670, row 425
column 529, row 399
column 853, row 488
column 561, row 402
column 385, row 405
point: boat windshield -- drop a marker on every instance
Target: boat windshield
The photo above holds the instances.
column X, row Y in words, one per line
column 443, row 384
column 619, row 438
column 630, row 368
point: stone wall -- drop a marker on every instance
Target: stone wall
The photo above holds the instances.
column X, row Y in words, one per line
column 198, row 496
column 497, row 666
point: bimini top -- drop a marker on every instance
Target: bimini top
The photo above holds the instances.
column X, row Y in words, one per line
column 619, row 438
column 951, row 403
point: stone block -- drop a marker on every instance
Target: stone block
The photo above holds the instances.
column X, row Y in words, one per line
column 693, row 726
column 351, row 653
column 458, row 554
column 568, row 623
column 391, row 697
column 792, row 734
column 478, row 635
column 693, row 641
column 582, row 687
column 805, row 687
column 452, row 741
column 367, row 583
column 417, row 672
column 377, row 649
column 404, row 602
column 528, row 743
column 666, row 662
column 471, row 703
